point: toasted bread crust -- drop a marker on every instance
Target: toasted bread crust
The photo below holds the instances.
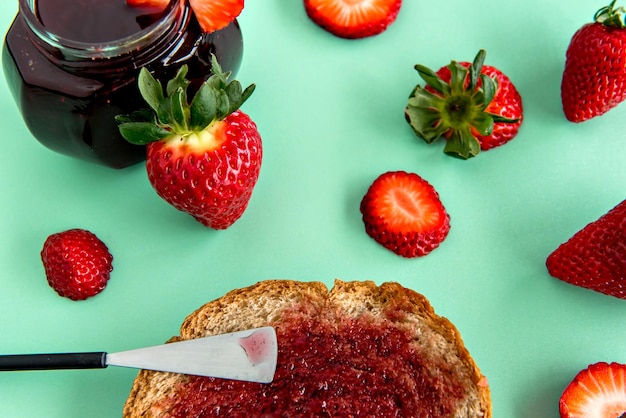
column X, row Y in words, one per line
column 263, row 303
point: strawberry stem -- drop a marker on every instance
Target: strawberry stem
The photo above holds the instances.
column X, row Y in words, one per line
column 454, row 109
column 171, row 113
column 610, row 16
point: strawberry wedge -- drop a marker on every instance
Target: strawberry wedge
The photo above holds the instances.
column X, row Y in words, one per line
column 595, row 256
column 212, row 15
column 598, row 391
column 353, row 19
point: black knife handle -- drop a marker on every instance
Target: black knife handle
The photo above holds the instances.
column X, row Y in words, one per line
column 90, row 360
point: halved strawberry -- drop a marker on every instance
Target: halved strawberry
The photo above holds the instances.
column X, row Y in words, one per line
column 353, row 18
column 403, row 213
column 598, row 391
column 212, row 15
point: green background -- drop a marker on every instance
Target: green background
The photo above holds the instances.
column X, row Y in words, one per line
column 330, row 112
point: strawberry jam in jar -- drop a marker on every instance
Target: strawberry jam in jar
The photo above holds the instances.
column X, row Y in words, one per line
column 72, row 66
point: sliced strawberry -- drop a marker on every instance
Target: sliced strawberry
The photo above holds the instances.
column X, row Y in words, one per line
column 216, row 14
column 598, row 391
column 157, row 4
column 212, row 15
column 353, row 18
column 403, row 213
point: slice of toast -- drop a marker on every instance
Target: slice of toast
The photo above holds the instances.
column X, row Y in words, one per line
column 356, row 350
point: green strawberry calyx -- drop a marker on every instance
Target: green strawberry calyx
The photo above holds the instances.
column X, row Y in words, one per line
column 170, row 113
column 610, row 16
column 453, row 109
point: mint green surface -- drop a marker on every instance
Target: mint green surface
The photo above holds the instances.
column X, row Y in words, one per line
column 330, row 112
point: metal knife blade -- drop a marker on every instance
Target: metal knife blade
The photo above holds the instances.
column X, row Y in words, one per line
column 244, row 355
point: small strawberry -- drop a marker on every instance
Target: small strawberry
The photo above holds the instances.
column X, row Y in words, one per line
column 212, row 15
column 595, row 257
column 203, row 158
column 599, row 391
column 355, row 18
column 473, row 106
column 594, row 79
column 77, row 264
column 403, row 213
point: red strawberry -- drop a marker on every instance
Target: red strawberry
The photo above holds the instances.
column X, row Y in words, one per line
column 203, row 158
column 594, row 79
column 598, row 391
column 77, row 264
column 157, row 4
column 473, row 106
column 403, row 213
column 595, row 257
column 355, row 18
column 216, row 14
column 212, row 15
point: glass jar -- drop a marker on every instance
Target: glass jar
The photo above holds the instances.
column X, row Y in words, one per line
column 69, row 88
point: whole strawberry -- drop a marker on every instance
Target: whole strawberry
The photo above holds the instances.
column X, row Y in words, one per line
column 77, row 264
column 473, row 106
column 403, row 213
column 599, row 391
column 203, row 158
column 595, row 257
column 594, row 79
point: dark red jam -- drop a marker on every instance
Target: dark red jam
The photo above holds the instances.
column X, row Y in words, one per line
column 71, row 66
column 329, row 366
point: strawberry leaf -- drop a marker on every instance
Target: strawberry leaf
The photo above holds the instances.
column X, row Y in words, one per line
column 142, row 115
column 498, row 118
column 218, row 73
column 423, row 114
column 170, row 112
column 483, row 124
column 489, row 89
column 164, row 112
column 433, row 80
column 203, row 107
column 223, row 104
column 247, row 92
column 178, row 82
column 476, row 68
column 142, row 133
column 151, row 89
column 458, row 77
column 235, row 94
column 462, row 144
column 179, row 110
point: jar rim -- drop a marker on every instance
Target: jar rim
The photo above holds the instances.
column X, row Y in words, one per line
column 101, row 50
